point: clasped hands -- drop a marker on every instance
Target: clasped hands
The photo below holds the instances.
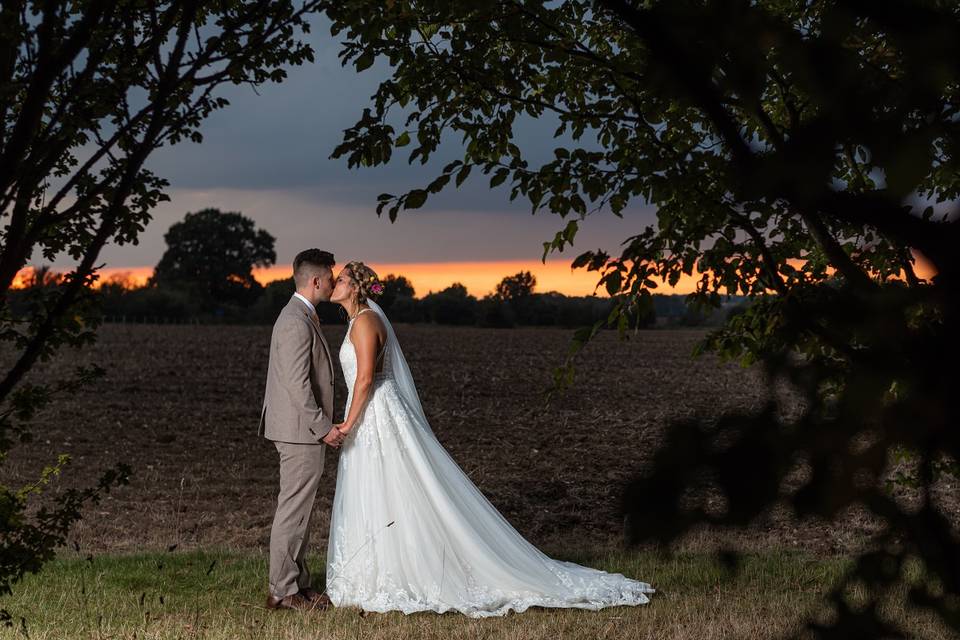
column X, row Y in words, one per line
column 336, row 435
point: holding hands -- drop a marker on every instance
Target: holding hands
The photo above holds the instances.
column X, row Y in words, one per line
column 335, row 436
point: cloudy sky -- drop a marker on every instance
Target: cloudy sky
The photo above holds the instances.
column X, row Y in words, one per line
column 267, row 156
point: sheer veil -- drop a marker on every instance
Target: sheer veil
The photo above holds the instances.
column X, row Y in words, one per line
column 401, row 372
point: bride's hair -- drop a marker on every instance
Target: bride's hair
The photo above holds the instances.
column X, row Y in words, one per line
column 365, row 278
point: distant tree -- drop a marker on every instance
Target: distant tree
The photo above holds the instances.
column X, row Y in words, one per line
column 36, row 286
column 395, row 287
column 113, row 294
column 88, row 91
column 212, row 254
column 43, row 277
column 407, row 309
column 583, row 310
column 120, row 282
column 150, row 302
column 496, row 312
column 276, row 294
column 694, row 316
column 453, row 305
column 517, row 286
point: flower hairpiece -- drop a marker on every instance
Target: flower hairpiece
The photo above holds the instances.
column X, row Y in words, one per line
column 376, row 288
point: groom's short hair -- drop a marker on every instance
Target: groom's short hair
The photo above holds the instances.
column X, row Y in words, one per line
column 309, row 262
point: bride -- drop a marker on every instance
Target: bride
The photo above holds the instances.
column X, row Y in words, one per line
column 409, row 531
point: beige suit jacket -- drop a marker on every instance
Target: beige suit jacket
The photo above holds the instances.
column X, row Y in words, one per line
column 298, row 401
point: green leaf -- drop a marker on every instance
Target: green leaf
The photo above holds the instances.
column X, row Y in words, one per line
column 498, row 177
column 415, row 199
column 439, row 183
column 364, row 61
column 463, row 173
column 582, row 260
column 612, row 281
column 402, row 140
column 577, row 204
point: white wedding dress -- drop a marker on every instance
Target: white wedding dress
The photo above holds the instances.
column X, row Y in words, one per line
column 410, row 532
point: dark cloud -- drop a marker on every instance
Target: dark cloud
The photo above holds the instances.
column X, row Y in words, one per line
column 267, row 156
column 301, row 218
column 281, row 136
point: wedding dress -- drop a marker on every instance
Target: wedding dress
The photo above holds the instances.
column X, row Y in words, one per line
column 410, row 532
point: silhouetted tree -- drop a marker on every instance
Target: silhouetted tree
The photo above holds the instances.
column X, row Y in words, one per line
column 276, row 294
column 44, row 277
column 517, row 286
column 407, row 309
column 211, row 255
column 394, row 287
column 88, row 90
column 496, row 312
column 453, row 305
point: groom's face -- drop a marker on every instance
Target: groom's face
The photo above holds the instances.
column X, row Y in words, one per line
column 323, row 284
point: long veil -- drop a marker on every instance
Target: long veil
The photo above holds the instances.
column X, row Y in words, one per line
column 401, row 372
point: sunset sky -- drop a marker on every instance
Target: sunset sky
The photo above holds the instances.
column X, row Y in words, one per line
column 479, row 278
column 267, row 157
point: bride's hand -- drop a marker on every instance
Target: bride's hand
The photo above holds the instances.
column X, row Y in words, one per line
column 334, row 438
column 342, row 428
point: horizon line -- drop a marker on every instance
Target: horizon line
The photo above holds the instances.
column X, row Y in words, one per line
column 480, row 277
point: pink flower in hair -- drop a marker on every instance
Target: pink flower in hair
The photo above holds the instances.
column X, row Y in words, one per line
column 376, row 288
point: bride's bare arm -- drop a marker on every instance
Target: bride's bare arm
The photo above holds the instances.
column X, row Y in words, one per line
column 365, row 337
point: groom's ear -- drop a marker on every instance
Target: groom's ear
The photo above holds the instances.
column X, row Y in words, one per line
column 324, row 275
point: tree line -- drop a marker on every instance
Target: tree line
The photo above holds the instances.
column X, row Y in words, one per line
column 206, row 275
column 121, row 301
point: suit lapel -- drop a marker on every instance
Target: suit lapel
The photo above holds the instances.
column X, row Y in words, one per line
column 302, row 309
column 326, row 347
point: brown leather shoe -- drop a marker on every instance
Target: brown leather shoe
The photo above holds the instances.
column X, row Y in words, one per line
column 319, row 600
column 294, row 601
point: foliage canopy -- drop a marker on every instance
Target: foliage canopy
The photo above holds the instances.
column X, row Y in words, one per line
column 89, row 89
column 795, row 152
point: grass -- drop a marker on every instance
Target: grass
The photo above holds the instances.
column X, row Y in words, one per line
column 220, row 594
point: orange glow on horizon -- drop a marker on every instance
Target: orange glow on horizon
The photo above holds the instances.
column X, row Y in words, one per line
column 479, row 277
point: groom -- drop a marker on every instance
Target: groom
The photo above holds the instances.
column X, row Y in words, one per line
column 297, row 416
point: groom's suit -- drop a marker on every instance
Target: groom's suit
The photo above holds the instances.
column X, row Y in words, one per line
column 297, row 413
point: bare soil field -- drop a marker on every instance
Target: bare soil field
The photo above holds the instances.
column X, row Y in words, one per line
column 180, row 404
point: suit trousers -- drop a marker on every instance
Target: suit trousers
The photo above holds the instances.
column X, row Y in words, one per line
column 300, row 468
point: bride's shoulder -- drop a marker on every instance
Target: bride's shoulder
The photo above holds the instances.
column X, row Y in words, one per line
column 367, row 320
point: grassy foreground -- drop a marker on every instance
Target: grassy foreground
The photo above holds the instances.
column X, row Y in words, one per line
column 220, row 594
